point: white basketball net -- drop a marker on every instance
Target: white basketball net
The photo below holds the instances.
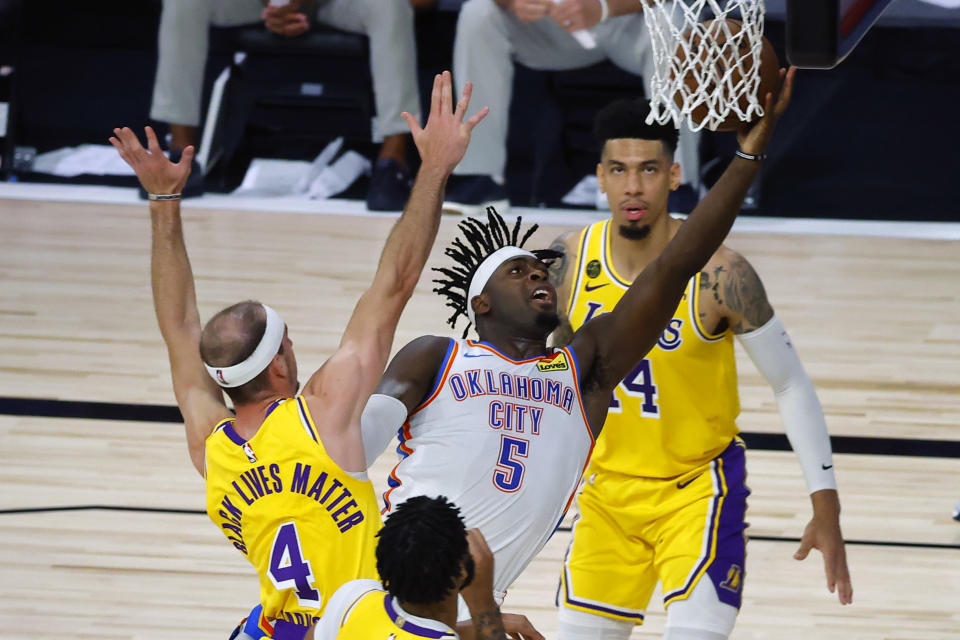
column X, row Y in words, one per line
column 723, row 67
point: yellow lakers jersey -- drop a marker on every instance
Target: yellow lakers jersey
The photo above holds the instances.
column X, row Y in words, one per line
column 373, row 614
column 305, row 525
column 677, row 408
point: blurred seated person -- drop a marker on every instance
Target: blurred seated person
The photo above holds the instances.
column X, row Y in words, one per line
column 183, row 46
column 493, row 34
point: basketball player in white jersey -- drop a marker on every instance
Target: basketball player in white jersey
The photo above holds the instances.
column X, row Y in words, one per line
column 504, row 426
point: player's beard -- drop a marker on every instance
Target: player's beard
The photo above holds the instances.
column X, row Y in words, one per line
column 633, row 231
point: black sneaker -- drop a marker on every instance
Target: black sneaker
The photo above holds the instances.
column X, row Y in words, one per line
column 470, row 195
column 390, row 186
column 194, row 186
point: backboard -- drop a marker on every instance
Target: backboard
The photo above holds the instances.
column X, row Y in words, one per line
column 821, row 33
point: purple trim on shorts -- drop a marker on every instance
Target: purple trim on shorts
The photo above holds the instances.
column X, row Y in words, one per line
column 233, row 435
column 588, row 605
column 731, row 544
column 408, row 626
column 728, row 570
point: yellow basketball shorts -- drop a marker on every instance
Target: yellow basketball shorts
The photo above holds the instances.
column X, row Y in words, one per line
column 632, row 532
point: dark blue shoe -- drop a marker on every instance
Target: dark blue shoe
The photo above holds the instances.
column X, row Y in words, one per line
column 390, row 186
column 194, row 186
column 470, row 195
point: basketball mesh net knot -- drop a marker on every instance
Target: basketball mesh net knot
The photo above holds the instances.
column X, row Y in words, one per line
column 700, row 65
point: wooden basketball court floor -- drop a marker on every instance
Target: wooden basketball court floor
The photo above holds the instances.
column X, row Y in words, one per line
column 100, row 530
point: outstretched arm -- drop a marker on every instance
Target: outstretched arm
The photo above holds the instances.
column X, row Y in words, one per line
column 339, row 390
column 743, row 302
column 174, row 297
column 619, row 339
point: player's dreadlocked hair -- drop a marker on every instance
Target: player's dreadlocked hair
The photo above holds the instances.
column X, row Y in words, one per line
column 479, row 241
column 422, row 550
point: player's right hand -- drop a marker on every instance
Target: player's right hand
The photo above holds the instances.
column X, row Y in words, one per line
column 444, row 139
column 530, row 10
column 155, row 172
column 481, row 587
column 754, row 138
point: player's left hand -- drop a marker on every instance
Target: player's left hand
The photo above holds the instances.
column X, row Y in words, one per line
column 444, row 139
column 753, row 138
column 573, row 15
column 823, row 533
column 155, row 172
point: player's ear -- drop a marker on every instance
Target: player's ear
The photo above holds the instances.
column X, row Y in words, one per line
column 676, row 176
column 603, row 187
column 480, row 304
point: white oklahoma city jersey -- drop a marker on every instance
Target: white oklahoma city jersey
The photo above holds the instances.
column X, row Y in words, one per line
column 504, row 440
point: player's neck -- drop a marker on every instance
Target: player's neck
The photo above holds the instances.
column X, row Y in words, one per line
column 444, row 611
column 513, row 346
column 251, row 415
column 631, row 256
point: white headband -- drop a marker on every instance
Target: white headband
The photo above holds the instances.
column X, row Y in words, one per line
column 244, row 372
column 486, row 269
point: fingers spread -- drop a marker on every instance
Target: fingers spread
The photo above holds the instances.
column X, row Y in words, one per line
column 446, row 93
column 435, row 97
column 412, row 123
column 464, row 102
column 152, row 143
column 476, row 118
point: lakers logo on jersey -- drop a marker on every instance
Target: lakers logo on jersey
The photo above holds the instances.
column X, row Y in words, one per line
column 556, row 362
column 734, row 579
column 671, row 338
column 662, row 397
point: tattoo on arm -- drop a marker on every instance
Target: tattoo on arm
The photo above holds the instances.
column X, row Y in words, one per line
column 489, row 625
column 743, row 294
column 563, row 334
column 558, row 270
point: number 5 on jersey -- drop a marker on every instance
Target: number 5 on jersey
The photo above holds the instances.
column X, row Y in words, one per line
column 508, row 476
column 288, row 569
column 639, row 384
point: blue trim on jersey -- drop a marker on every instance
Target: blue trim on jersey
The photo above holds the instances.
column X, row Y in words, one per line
column 506, row 357
column 439, row 377
column 408, row 626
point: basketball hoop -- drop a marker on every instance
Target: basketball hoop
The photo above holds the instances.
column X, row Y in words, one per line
column 705, row 61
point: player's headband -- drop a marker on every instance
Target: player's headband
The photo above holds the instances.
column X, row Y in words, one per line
column 482, row 275
column 243, row 372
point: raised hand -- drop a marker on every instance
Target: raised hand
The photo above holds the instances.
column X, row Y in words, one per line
column 753, row 138
column 156, row 173
column 444, row 139
column 823, row 533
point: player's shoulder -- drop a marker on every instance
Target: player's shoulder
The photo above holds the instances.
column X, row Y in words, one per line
column 420, row 357
column 724, row 258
